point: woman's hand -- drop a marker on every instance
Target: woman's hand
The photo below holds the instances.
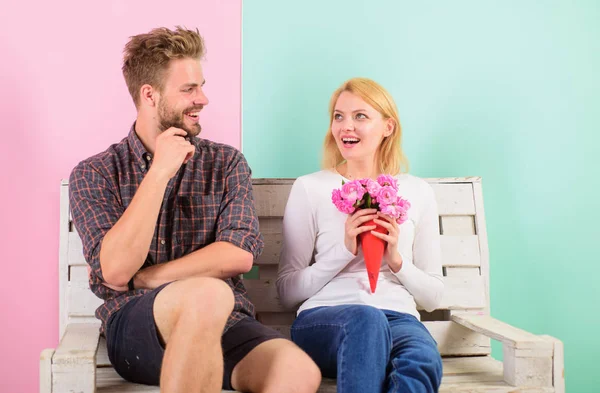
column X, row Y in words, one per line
column 391, row 255
column 353, row 227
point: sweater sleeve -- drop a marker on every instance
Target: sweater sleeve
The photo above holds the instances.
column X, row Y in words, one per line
column 297, row 279
column 422, row 276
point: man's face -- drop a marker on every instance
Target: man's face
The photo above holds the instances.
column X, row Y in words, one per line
column 182, row 97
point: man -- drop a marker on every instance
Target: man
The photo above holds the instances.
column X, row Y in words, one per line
column 168, row 223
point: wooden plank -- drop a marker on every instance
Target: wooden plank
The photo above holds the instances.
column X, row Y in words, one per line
column 481, row 231
column 79, row 342
column 63, row 258
column 272, row 249
column 466, row 272
column 102, row 359
column 457, row 225
column 503, row 332
column 459, row 293
column 462, row 293
column 82, row 302
column 527, row 367
column 76, row 250
column 454, row 199
column 46, row 370
column 471, row 374
column 74, row 362
column 270, row 199
column 108, row 381
column 268, row 271
column 456, row 340
column 281, row 322
column 558, row 364
column 460, row 250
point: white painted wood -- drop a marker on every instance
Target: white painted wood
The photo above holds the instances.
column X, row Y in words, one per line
column 456, row 340
column 465, row 272
column 76, row 249
column 527, row 367
column 81, row 359
column 102, row 359
column 471, row 374
column 46, row 370
column 454, row 199
column 74, row 362
column 457, row 225
column 558, row 364
column 459, row 293
column 460, row 251
column 63, row 258
column 480, row 229
column 81, row 300
column 270, row 199
column 78, row 344
column 507, row 334
column 457, row 250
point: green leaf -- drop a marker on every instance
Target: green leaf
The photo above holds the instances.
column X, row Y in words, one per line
column 368, row 200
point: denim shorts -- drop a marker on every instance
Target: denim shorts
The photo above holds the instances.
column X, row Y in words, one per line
column 136, row 351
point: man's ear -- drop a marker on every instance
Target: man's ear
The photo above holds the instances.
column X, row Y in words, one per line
column 390, row 124
column 148, row 95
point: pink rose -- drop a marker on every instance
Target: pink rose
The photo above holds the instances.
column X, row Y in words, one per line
column 353, row 191
column 387, row 180
column 387, row 195
column 373, row 188
column 403, row 203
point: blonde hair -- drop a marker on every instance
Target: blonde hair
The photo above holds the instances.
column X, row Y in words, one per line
column 147, row 56
column 389, row 154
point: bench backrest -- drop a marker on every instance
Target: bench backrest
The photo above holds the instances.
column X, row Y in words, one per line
column 464, row 257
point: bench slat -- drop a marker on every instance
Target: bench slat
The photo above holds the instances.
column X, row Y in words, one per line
column 460, row 293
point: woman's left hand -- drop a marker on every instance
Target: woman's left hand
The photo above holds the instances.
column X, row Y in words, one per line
column 391, row 254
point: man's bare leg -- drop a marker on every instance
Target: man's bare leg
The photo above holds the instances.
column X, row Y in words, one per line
column 276, row 366
column 190, row 316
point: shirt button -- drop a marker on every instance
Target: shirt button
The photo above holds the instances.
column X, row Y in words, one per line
column 143, row 166
column 148, row 157
column 162, row 241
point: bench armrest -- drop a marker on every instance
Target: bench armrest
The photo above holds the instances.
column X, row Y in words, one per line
column 528, row 358
column 74, row 361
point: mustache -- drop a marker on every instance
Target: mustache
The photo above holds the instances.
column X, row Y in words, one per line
column 194, row 109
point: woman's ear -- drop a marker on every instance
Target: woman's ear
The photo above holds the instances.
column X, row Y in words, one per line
column 390, row 124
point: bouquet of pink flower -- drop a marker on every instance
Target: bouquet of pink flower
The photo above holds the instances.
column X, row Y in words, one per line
column 370, row 194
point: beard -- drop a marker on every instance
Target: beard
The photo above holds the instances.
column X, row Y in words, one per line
column 168, row 117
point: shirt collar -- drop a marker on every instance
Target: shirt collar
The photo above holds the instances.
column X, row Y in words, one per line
column 142, row 156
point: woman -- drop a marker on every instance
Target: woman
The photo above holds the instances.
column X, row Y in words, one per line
column 370, row 342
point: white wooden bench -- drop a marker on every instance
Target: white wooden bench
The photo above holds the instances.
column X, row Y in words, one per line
column 462, row 325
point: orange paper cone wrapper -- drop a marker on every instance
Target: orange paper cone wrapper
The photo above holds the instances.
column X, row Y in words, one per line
column 373, row 248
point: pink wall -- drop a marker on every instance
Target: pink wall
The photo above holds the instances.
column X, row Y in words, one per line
column 62, row 99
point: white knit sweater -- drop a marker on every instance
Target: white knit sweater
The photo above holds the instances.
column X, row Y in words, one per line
column 312, row 226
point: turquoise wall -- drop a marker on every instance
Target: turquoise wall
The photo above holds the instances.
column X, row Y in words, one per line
column 509, row 91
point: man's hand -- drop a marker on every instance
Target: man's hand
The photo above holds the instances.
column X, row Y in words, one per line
column 171, row 151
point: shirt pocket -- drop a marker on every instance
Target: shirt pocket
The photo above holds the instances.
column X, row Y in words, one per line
column 195, row 221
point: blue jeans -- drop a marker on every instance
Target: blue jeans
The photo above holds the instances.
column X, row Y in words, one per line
column 370, row 350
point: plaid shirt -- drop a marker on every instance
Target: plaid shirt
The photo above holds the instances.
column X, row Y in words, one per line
column 208, row 200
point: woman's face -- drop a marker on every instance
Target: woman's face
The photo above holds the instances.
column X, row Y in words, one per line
column 358, row 128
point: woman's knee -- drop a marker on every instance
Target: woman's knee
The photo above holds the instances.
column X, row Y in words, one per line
column 367, row 321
